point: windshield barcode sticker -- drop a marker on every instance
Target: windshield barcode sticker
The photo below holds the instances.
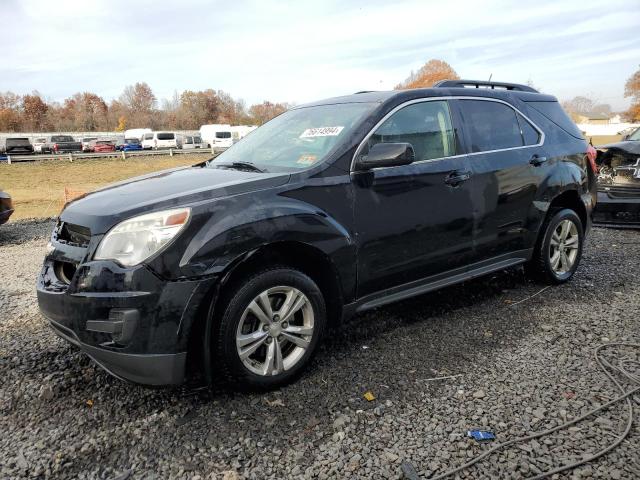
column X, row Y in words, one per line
column 321, row 132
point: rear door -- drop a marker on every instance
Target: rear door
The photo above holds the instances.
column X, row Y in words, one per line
column 508, row 162
column 413, row 221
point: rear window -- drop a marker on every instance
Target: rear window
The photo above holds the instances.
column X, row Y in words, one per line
column 188, row 140
column 41, row 140
column 223, row 134
column 62, row 138
column 132, row 141
column 17, row 142
column 166, row 136
column 88, row 139
column 554, row 112
column 491, row 125
column 104, row 142
column 197, row 140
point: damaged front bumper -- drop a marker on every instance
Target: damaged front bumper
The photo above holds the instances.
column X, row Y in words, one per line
column 130, row 321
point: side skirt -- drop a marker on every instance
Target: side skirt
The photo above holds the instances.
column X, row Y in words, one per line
column 436, row 282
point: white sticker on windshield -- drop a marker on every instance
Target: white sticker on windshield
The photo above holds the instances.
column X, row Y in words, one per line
column 321, row 132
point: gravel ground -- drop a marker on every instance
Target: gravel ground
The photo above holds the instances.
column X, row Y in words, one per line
column 516, row 368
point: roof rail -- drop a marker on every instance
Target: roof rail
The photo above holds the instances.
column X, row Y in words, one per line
column 479, row 83
column 364, row 91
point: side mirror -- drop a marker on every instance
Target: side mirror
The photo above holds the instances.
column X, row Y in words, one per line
column 386, row 155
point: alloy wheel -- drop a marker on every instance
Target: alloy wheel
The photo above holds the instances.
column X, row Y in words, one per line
column 275, row 330
column 563, row 247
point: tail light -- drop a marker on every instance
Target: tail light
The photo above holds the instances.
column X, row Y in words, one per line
column 55, row 147
column 592, row 154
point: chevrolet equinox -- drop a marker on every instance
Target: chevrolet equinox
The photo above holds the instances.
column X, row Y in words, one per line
column 235, row 267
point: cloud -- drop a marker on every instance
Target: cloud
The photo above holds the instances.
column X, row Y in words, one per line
column 300, row 51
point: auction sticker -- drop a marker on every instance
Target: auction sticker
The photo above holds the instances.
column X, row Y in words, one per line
column 321, row 132
column 307, row 159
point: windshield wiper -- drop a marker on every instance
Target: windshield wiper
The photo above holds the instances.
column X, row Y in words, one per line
column 241, row 166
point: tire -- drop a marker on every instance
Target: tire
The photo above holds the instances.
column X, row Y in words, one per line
column 248, row 327
column 562, row 232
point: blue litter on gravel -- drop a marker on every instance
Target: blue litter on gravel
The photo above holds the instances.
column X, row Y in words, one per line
column 481, row 435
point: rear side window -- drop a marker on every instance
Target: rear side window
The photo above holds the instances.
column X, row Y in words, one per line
column 490, row 125
column 554, row 112
column 425, row 125
column 148, row 136
column 166, row 136
column 188, row 140
column 530, row 135
column 223, row 134
column 197, row 140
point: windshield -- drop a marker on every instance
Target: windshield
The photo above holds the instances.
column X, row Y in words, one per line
column 131, row 141
column 635, row 135
column 166, row 136
column 298, row 138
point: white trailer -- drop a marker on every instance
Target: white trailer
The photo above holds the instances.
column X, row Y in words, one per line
column 136, row 133
column 240, row 131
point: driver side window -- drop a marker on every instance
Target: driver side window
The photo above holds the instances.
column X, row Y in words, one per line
column 425, row 125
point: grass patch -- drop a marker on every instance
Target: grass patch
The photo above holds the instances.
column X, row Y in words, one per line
column 37, row 188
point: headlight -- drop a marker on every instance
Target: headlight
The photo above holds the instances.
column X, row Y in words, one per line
column 134, row 240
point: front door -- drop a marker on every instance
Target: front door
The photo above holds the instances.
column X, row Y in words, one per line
column 414, row 221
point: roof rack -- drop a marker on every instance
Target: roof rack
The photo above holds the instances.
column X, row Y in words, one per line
column 480, row 84
column 364, row 91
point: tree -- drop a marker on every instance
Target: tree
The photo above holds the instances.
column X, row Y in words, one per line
column 265, row 111
column 632, row 89
column 34, row 112
column 122, row 124
column 140, row 104
column 10, row 118
column 431, row 72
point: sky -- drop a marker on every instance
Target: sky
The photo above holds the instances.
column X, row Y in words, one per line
column 301, row 51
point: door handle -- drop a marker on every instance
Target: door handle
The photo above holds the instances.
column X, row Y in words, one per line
column 537, row 160
column 456, row 177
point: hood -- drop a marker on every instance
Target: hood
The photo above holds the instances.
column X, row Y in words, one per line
column 104, row 208
column 629, row 146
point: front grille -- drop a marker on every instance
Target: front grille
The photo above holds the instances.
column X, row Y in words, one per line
column 75, row 235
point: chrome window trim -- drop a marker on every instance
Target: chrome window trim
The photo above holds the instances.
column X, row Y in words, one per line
column 434, row 99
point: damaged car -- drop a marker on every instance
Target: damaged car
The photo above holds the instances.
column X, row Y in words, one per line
column 619, row 183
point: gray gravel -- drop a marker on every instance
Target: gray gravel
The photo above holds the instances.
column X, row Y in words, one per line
column 515, row 369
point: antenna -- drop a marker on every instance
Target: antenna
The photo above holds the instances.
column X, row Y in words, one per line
column 490, row 77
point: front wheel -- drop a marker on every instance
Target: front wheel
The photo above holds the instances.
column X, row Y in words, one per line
column 558, row 251
column 270, row 329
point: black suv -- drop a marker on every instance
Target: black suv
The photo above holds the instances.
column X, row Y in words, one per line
column 235, row 267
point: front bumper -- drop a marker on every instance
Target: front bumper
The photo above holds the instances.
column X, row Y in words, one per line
column 618, row 207
column 145, row 369
column 83, row 301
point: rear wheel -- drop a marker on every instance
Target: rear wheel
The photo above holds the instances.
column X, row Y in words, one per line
column 558, row 251
column 269, row 330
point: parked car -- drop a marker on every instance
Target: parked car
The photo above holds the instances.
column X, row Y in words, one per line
column 40, row 145
column 619, row 182
column 128, row 145
column 158, row 140
column 102, row 146
column 237, row 266
column 63, row 144
column 6, row 207
column 18, row 146
column 190, row 142
column 86, row 143
column 137, row 133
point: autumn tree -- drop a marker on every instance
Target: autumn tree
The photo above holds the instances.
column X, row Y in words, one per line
column 10, row 118
column 34, row 112
column 265, row 111
column 632, row 89
column 140, row 103
column 431, row 72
